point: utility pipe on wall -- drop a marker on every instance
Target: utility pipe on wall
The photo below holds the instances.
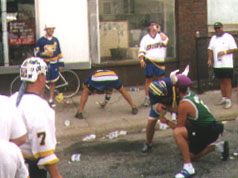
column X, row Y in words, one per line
column 4, row 32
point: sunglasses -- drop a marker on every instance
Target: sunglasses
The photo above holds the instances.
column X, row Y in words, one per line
column 216, row 28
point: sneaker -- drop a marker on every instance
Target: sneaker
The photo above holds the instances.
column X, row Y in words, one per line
column 228, row 104
column 134, row 110
column 52, row 104
column 225, row 153
column 79, row 115
column 163, row 126
column 221, row 102
column 184, row 173
column 146, row 148
column 146, row 101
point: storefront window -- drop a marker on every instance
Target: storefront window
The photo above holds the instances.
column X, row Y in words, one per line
column 124, row 22
column 21, row 30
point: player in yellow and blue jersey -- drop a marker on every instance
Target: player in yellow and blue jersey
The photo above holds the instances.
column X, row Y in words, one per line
column 103, row 81
column 152, row 54
column 161, row 95
column 48, row 48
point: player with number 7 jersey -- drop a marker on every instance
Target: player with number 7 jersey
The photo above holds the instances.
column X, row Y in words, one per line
column 39, row 119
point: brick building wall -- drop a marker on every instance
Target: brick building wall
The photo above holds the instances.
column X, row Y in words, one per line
column 191, row 16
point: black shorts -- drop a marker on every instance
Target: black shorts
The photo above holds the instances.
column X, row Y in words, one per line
column 200, row 137
column 223, row 73
column 34, row 170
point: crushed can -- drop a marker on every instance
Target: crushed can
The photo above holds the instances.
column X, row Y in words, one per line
column 75, row 157
column 67, row 123
column 134, row 89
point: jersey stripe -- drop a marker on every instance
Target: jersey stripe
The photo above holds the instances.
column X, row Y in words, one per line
column 104, row 76
column 156, row 90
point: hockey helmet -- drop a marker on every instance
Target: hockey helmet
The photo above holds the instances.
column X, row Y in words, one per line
column 31, row 68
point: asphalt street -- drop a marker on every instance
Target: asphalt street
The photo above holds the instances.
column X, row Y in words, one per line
column 121, row 157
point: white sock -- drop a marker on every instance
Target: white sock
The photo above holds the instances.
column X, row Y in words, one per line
column 173, row 116
column 219, row 146
column 50, row 100
column 189, row 167
column 223, row 98
column 147, row 97
column 228, row 100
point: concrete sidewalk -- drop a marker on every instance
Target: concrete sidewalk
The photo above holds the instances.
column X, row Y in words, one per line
column 117, row 115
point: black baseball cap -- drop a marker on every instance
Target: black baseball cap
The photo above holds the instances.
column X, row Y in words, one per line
column 152, row 22
column 218, row 25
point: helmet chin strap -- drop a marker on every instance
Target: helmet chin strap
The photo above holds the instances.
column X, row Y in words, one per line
column 174, row 104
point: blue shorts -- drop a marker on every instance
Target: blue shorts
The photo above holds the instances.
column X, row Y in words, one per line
column 101, row 86
column 52, row 74
column 153, row 114
column 151, row 69
column 166, row 100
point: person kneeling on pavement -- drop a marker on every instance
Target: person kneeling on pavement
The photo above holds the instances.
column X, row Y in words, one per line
column 103, row 81
column 196, row 129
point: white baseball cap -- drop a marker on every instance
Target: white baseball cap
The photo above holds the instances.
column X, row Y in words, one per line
column 49, row 25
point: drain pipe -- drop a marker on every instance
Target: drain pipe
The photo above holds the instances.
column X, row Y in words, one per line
column 4, row 32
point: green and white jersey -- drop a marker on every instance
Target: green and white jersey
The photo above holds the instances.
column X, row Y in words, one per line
column 203, row 116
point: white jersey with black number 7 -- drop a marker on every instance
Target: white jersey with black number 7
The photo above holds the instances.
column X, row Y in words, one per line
column 39, row 119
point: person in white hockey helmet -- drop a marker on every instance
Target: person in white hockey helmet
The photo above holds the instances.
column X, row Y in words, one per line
column 39, row 118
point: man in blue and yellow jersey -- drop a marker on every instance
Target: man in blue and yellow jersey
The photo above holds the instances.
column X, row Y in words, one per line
column 48, row 48
column 152, row 53
column 162, row 98
column 103, row 81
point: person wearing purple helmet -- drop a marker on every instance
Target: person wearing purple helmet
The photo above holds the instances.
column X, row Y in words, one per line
column 196, row 129
column 162, row 99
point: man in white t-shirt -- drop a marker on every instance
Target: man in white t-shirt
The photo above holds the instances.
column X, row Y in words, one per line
column 12, row 163
column 152, row 55
column 39, row 118
column 12, row 130
column 11, row 124
column 220, row 54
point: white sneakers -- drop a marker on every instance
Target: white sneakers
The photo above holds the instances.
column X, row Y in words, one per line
column 146, row 101
column 163, row 126
column 226, row 102
column 51, row 103
column 222, row 101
